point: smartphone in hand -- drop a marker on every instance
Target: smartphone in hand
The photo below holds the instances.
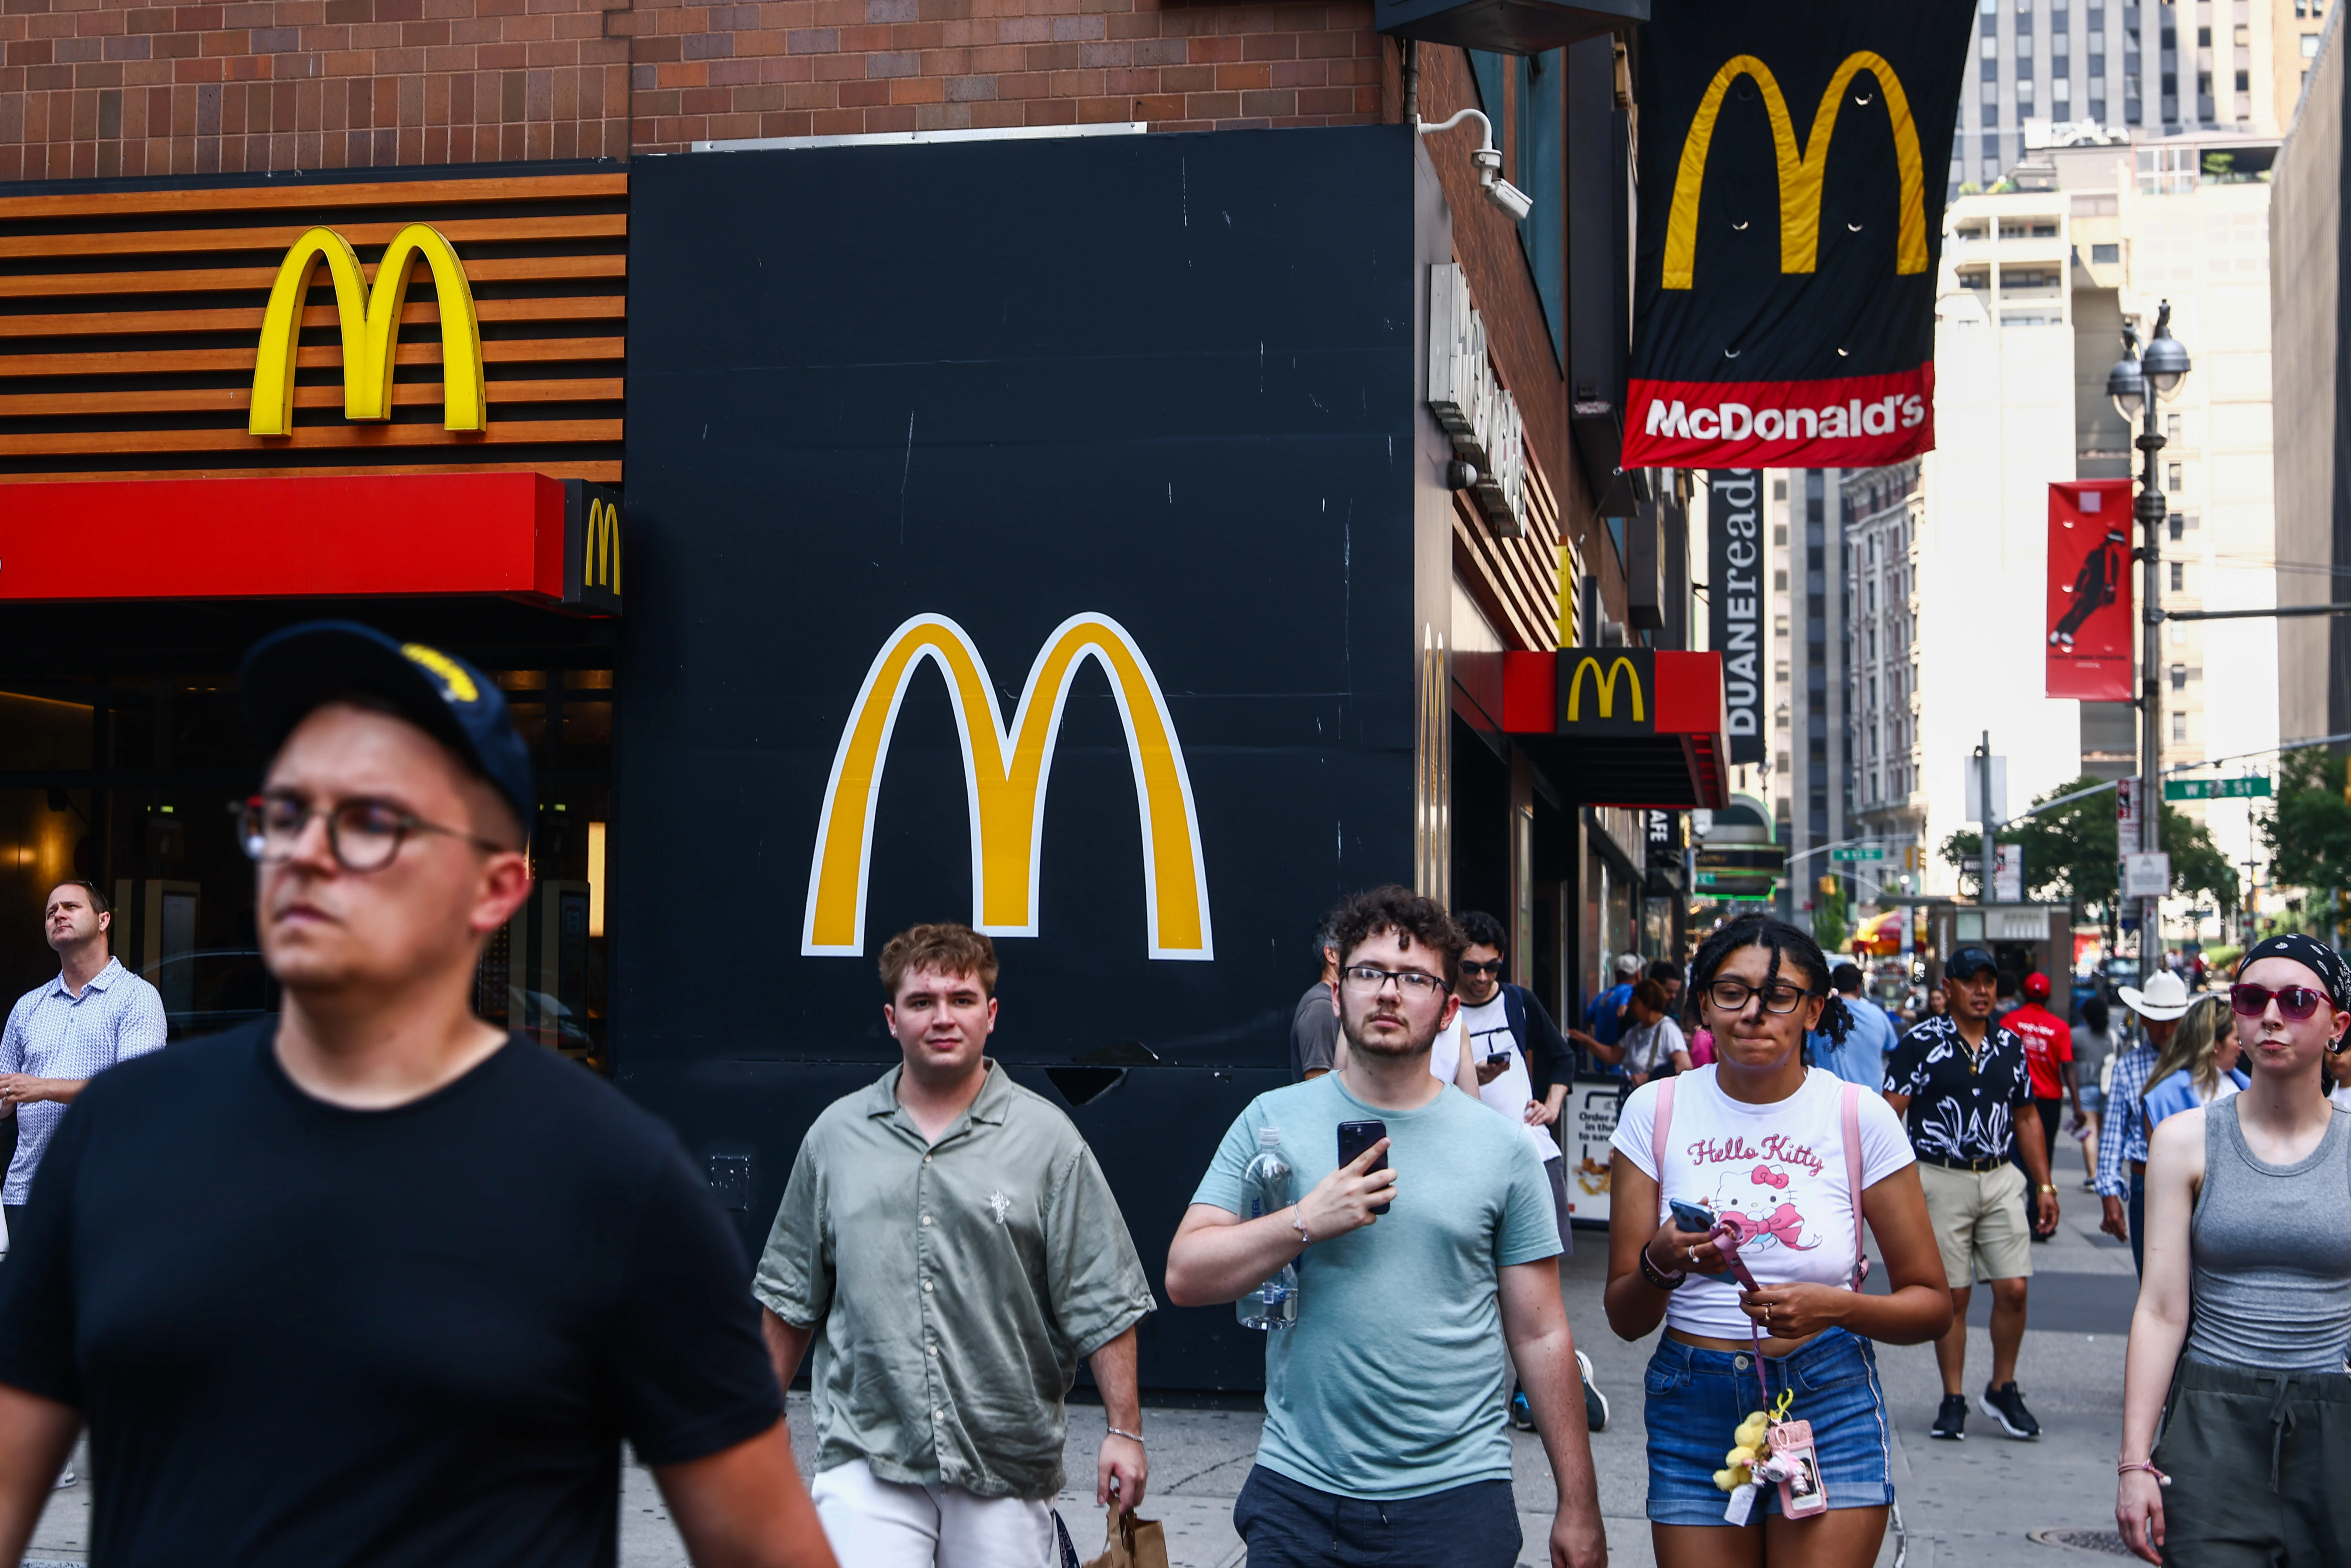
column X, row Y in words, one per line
column 1354, row 1137
column 1692, row 1216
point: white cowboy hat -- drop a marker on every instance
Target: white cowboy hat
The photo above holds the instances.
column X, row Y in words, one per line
column 2166, row 997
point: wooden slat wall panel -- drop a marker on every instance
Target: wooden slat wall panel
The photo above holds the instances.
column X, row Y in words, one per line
column 1516, row 581
column 130, row 320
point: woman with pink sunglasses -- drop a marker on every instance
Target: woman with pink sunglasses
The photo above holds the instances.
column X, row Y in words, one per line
column 2244, row 1309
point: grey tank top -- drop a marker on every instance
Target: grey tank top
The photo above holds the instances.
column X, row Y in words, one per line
column 2272, row 1244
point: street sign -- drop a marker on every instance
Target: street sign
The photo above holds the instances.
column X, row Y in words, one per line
column 2257, row 786
column 1858, row 852
column 2146, row 874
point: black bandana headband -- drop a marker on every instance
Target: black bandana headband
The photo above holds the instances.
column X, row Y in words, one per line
column 2312, row 955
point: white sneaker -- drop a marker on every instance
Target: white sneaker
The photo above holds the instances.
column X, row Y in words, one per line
column 66, row 1478
column 1595, row 1404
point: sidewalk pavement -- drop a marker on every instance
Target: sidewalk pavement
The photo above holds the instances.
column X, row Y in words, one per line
column 1970, row 1502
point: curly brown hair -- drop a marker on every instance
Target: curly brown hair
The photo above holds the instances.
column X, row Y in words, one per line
column 1379, row 910
column 945, row 948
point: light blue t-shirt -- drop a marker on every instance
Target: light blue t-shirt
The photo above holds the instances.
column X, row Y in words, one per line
column 1391, row 1381
column 1862, row 1058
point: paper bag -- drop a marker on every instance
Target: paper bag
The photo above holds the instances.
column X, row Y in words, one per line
column 1133, row 1544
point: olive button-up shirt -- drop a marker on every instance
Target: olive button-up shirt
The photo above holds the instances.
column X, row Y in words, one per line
column 955, row 1285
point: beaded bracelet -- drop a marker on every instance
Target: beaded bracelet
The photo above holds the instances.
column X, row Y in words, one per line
column 1658, row 1276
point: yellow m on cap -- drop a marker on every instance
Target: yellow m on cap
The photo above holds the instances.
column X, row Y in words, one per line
column 370, row 328
column 1004, row 777
column 1802, row 168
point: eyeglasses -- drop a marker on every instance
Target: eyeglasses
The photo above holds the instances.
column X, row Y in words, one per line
column 362, row 835
column 2296, row 1002
column 1493, row 967
column 1369, row 981
column 1779, row 997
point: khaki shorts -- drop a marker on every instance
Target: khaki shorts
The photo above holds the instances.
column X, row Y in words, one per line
column 1979, row 1222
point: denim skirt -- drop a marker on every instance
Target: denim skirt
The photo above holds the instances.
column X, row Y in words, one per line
column 1696, row 1398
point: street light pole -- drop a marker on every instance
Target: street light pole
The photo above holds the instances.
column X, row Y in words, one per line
column 2138, row 382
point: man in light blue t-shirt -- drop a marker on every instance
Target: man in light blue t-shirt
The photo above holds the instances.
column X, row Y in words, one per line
column 1862, row 1058
column 1385, row 1438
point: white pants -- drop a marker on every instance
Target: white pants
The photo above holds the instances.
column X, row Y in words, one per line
column 874, row 1523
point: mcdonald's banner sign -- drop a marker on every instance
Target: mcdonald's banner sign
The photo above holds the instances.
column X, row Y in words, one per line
column 516, row 536
column 2090, row 623
column 1793, row 164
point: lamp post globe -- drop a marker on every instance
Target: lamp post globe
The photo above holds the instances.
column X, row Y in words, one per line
column 2128, row 388
column 2164, row 362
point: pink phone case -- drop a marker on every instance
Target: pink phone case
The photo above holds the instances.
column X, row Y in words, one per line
column 1805, row 1494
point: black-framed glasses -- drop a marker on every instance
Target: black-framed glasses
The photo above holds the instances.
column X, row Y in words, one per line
column 2296, row 1002
column 362, row 835
column 1369, row 981
column 1490, row 966
column 1779, row 997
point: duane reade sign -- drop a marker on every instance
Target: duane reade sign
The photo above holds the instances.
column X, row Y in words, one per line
column 1735, row 604
column 1476, row 410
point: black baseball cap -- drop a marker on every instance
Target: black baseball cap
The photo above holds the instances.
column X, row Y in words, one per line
column 288, row 673
column 1969, row 960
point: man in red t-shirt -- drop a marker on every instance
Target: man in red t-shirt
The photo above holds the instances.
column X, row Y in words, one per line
column 2049, row 1056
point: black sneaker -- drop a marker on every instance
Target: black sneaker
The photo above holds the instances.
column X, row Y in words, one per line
column 2006, row 1405
column 1595, row 1404
column 1522, row 1415
column 1951, row 1419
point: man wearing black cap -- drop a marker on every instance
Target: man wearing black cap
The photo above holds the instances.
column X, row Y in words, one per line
column 371, row 1281
column 1962, row 1083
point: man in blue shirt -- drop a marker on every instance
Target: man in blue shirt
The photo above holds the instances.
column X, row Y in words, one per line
column 1607, row 1012
column 1385, row 1439
column 1862, row 1058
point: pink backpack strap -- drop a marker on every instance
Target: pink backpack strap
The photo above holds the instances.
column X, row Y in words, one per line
column 1851, row 1120
column 1657, row 1130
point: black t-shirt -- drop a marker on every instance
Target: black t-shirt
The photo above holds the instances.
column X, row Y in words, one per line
column 1960, row 1109
column 308, row 1336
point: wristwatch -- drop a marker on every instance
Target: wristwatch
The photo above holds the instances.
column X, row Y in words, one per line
column 2049, row 1187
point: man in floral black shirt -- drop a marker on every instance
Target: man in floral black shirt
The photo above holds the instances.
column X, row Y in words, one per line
column 1962, row 1084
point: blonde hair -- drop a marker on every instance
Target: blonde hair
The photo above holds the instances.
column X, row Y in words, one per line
column 2195, row 1045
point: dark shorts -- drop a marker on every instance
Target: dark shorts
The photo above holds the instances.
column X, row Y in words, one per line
column 1696, row 1398
column 1289, row 1524
column 2256, row 1467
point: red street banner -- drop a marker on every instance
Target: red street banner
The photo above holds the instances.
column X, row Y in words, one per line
column 1792, row 169
column 2090, row 620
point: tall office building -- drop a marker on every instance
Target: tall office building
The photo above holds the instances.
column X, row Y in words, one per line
column 1811, row 780
column 1883, row 507
column 2154, row 69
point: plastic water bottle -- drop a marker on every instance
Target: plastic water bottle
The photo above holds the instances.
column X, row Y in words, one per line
column 1274, row 1304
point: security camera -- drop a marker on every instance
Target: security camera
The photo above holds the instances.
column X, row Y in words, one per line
column 1461, row 475
column 1513, row 202
column 1487, row 159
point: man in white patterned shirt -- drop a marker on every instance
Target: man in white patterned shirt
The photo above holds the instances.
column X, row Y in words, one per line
column 60, row 1035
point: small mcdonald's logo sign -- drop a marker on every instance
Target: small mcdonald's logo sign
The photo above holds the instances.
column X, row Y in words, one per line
column 368, row 316
column 591, row 547
column 1607, row 691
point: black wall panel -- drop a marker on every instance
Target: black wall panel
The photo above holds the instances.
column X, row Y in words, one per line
column 1165, row 379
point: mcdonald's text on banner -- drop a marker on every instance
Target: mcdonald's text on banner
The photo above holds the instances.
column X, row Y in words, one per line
column 1791, row 190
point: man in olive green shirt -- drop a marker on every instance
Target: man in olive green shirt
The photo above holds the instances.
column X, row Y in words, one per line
column 950, row 1244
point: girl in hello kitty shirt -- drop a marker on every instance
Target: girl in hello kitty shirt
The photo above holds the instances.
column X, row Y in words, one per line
column 1762, row 1141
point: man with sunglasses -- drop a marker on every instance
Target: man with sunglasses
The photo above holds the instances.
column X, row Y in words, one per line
column 372, row 1281
column 1503, row 1047
column 1962, row 1083
column 1385, row 1438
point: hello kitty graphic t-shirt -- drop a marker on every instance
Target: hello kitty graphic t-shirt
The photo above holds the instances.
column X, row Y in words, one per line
column 1778, row 1168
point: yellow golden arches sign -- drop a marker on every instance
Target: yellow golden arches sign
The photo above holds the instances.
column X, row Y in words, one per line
column 1004, row 776
column 600, row 563
column 1802, row 168
column 370, row 329
column 1605, row 682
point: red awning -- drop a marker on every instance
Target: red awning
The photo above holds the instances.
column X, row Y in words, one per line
column 524, row 535
column 1621, row 727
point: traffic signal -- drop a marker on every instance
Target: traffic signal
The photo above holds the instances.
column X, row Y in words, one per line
column 1828, row 883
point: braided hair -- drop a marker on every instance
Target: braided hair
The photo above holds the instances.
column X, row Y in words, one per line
column 1787, row 944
